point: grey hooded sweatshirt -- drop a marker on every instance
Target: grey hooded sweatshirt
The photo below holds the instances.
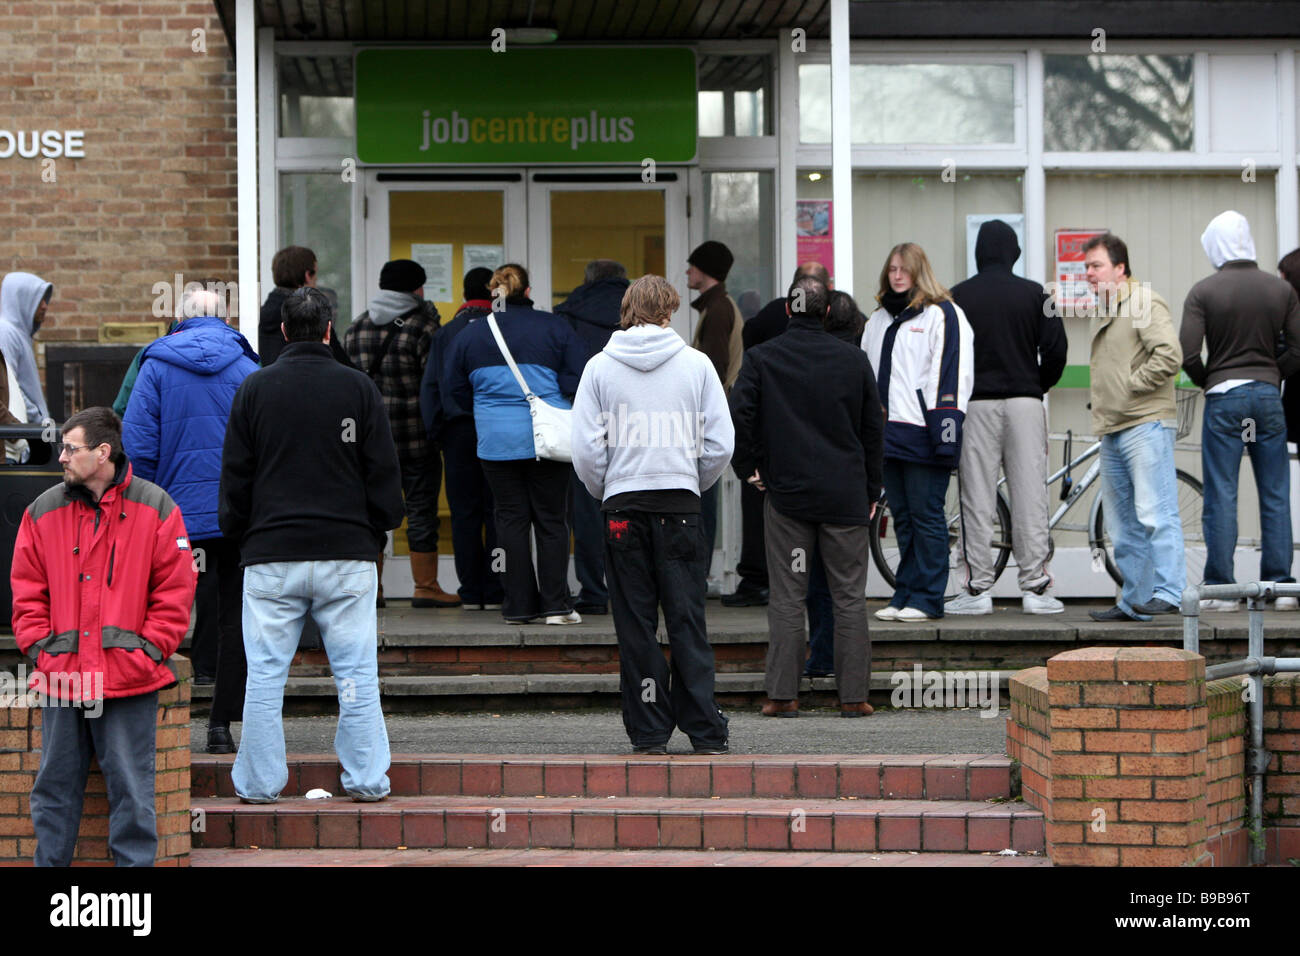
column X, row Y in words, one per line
column 20, row 294
column 650, row 414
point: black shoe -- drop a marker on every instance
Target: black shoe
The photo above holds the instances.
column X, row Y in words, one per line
column 713, row 751
column 591, row 608
column 658, row 749
column 809, row 672
column 219, row 739
column 746, row 597
column 1157, row 606
column 204, row 678
column 1115, row 613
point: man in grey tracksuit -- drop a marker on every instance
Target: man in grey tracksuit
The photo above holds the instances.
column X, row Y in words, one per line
column 1020, row 351
column 651, row 433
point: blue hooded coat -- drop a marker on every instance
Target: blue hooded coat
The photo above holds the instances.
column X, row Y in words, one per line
column 175, row 423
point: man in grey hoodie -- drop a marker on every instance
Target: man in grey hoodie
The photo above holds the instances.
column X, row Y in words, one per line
column 23, row 300
column 651, row 433
column 1241, row 313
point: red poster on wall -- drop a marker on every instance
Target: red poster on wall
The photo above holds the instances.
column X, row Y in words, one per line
column 1073, row 296
column 814, row 227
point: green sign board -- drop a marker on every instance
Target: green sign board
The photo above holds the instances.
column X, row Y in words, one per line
column 526, row 105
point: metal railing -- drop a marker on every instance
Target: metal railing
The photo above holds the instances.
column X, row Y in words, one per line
column 1254, row 667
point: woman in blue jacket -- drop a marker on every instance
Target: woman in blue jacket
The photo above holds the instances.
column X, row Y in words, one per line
column 530, row 493
column 923, row 351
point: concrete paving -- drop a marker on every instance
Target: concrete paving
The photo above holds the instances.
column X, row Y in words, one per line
column 600, row 731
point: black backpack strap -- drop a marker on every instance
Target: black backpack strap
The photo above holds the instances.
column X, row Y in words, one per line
column 384, row 346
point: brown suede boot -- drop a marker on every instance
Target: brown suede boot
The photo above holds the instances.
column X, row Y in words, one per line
column 424, row 570
column 379, row 596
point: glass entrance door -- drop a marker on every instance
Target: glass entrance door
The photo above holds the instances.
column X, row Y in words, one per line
column 575, row 218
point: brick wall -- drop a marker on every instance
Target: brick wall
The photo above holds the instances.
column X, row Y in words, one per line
column 1227, row 839
column 1138, row 734
column 155, row 193
column 20, row 757
column 1029, row 735
column 1282, row 782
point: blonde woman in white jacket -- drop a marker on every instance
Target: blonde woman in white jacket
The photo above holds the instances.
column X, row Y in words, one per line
column 923, row 351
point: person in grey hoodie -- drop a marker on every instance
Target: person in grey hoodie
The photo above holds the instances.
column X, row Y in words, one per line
column 651, row 433
column 1241, row 313
column 23, row 300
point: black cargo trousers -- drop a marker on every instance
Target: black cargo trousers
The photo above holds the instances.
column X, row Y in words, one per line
column 651, row 560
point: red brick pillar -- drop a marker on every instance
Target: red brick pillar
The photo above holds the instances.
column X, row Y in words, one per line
column 1128, row 739
column 20, row 758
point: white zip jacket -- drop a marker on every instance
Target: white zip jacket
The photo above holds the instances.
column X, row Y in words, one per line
column 925, row 379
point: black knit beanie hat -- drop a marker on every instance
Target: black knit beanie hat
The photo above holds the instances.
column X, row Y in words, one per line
column 401, row 275
column 713, row 259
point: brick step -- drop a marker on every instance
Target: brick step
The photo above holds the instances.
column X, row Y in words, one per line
column 602, row 858
column 860, row 776
column 943, row 826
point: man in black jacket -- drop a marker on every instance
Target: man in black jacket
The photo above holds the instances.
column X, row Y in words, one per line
column 292, row 268
column 310, row 487
column 810, row 434
column 1019, row 354
column 594, row 311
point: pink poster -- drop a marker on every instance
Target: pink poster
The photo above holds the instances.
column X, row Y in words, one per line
column 813, row 227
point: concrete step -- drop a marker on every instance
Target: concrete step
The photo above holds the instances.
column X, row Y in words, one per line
column 944, row 826
column 850, row 777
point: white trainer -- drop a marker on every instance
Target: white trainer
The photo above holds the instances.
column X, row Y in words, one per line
column 573, row 617
column 967, row 603
column 887, row 613
column 914, row 614
column 1214, row 604
column 1286, row 604
column 1032, row 603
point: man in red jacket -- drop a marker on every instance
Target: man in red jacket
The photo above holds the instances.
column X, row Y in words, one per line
column 103, row 580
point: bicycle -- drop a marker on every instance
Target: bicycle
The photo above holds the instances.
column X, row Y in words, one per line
column 884, row 547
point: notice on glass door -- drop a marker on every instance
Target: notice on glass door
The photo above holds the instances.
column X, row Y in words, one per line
column 484, row 257
column 435, row 258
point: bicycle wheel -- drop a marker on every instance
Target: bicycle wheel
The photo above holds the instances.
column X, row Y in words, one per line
column 884, row 542
column 1191, row 501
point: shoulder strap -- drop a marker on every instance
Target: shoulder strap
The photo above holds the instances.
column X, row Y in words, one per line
column 384, row 346
column 510, row 359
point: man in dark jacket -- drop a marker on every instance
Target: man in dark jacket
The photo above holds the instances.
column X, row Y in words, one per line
column 809, row 433
column 1019, row 354
column 173, row 432
column 391, row 342
column 752, row 590
column 1241, row 313
column 593, row 310
column 292, row 268
column 451, row 428
column 310, row 487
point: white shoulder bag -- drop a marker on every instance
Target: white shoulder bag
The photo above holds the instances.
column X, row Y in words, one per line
column 552, row 426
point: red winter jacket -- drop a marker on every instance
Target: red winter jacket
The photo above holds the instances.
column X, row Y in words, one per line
column 102, row 591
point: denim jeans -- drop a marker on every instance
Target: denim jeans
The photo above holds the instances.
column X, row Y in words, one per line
column 122, row 739
column 821, row 616
column 588, row 544
column 915, row 493
column 340, row 595
column 1140, row 498
column 1247, row 418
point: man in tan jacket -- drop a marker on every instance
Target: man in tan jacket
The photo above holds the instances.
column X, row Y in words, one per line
column 1135, row 360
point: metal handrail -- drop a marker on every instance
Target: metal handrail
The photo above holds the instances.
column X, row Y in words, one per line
column 1254, row 667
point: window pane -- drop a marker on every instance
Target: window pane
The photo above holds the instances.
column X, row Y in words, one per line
column 735, row 95
column 922, row 103
column 1117, row 103
column 316, row 211
column 740, row 209
column 316, row 96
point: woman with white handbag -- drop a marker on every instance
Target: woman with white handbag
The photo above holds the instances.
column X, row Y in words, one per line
column 519, row 368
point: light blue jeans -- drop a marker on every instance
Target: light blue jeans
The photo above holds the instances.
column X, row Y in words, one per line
column 340, row 595
column 1141, row 506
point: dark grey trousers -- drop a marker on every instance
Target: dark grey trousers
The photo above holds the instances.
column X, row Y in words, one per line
column 789, row 557
column 123, row 739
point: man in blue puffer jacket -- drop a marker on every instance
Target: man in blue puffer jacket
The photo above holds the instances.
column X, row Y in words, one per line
column 173, row 432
